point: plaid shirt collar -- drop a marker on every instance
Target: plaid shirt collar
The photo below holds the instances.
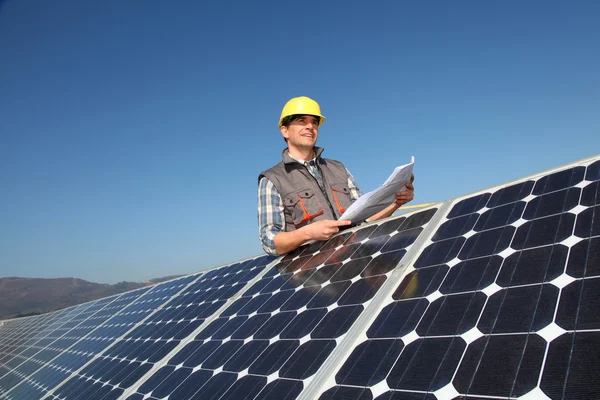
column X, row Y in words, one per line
column 289, row 159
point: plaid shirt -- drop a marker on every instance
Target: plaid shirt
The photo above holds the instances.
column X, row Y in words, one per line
column 271, row 219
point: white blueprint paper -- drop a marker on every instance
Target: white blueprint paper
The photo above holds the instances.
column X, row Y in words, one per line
column 378, row 199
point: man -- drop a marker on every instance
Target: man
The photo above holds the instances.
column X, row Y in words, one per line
column 302, row 197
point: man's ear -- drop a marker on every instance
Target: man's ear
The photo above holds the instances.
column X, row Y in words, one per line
column 284, row 132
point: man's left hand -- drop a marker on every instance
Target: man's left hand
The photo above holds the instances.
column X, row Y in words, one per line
column 406, row 195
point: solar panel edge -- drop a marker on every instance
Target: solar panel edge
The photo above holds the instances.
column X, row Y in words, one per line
column 326, row 373
column 582, row 162
column 158, row 365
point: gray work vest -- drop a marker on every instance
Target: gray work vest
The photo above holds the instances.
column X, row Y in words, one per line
column 303, row 200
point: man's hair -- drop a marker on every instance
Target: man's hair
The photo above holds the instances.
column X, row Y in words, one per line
column 286, row 121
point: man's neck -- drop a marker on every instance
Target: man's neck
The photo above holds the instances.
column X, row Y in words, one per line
column 301, row 154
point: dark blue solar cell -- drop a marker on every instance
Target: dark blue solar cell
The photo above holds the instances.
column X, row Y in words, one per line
column 440, row 252
column 487, row 243
column 579, row 306
column 362, row 290
column 350, row 269
column 275, row 301
column 202, row 353
column 281, row 389
column 156, row 379
column 370, row 362
column 222, row 354
column 383, row 263
column 511, row 194
column 303, row 323
column 335, row 241
column 588, row 222
column 345, row 392
column 474, row 274
column 401, row 240
column 299, row 299
column 191, row 385
column 452, row 315
column 275, row 325
column 418, row 219
column 370, row 247
column 342, row 254
column 273, row 357
column 307, row 359
column 361, row 234
column 229, row 327
column 258, row 286
column 504, row 366
column 398, row 319
column 212, row 328
column 537, row 265
column 250, row 327
column 520, row 309
column 544, row 231
column 245, row 388
column 246, row 355
column 593, row 171
column 568, row 356
column 584, row 259
column 328, row 294
column 336, row 322
column 552, row 203
column 455, row 227
column 426, row 364
column 469, row 205
column 559, row 180
column 500, row 216
column 276, row 283
column 387, row 227
column 254, row 304
column 420, row 283
column 171, row 382
column 236, row 306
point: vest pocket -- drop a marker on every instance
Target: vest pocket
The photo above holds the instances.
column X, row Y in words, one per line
column 341, row 196
column 304, row 207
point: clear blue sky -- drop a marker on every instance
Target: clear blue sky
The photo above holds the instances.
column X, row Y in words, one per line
column 132, row 132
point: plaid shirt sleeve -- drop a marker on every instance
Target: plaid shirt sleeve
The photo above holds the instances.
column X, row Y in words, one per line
column 355, row 191
column 270, row 215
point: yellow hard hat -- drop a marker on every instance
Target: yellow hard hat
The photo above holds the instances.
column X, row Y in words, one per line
column 301, row 105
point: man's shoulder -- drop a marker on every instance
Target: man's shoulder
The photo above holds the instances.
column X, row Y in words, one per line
column 271, row 172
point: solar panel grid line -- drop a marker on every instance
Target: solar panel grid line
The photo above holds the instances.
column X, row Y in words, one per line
column 325, row 377
column 105, row 303
column 124, row 310
column 450, row 392
column 200, row 328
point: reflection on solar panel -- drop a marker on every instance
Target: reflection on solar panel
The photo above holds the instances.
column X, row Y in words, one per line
column 489, row 296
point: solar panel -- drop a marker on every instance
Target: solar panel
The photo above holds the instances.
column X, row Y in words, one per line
column 166, row 323
column 50, row 359
column 275, row 336
column 493, row 295
column 500, row 303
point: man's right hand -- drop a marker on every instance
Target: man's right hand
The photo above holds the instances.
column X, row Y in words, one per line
column 323, row 230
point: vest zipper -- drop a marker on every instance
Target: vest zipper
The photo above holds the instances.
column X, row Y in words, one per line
column 319, row 186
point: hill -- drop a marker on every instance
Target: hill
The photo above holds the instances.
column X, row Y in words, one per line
column 21, row 297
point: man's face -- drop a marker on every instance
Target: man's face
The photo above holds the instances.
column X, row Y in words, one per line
column 302, row 132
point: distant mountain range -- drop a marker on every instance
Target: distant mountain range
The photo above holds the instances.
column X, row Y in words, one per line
column 21, row 297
